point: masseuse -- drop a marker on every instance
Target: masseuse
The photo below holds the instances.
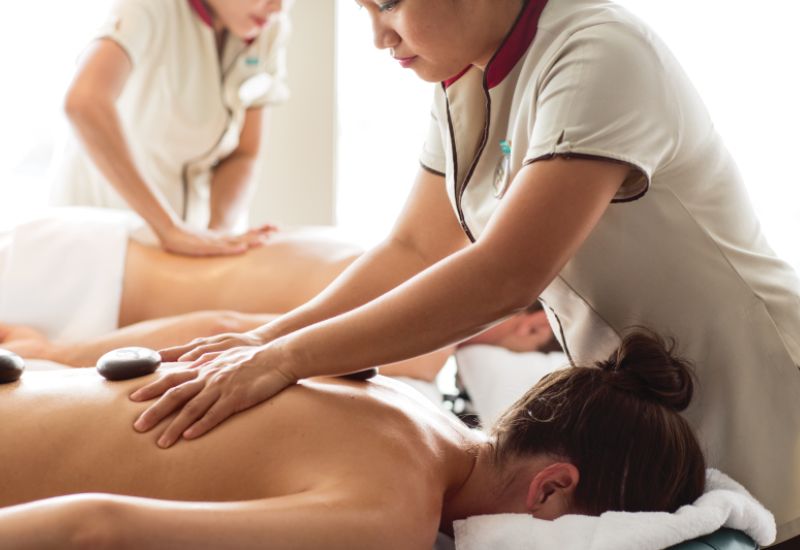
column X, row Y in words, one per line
column 569, row 157
column 167, row 105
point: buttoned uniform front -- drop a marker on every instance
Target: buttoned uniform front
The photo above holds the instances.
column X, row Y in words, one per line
column 183, row 106
column 679, row 251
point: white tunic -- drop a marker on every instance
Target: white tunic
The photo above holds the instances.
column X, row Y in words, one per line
column 183, row 107
column 680, row 251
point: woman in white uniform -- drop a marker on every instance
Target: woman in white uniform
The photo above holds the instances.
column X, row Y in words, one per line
column 569, row 157
column 167, row 105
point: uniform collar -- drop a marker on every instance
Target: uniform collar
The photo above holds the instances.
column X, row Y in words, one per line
column 205, row 16
column 513, row 47
column 202, row 12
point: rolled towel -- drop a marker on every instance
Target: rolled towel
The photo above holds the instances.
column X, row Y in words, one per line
column 724, row 504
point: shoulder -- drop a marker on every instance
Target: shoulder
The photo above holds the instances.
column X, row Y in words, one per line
column 598, row 32
column 155, row 10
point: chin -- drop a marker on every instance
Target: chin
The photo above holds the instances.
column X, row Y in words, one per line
column 436, row 74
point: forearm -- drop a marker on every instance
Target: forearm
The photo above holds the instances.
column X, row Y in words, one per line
column 47, row 524
column 374, row 273
column 231, row 188
column 98, row 126
column 302, row 521
column 425, row 367
column 441, row 306
column 155, row 334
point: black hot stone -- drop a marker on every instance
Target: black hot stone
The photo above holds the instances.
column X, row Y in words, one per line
column 126, row 363
column 11, row 367
column 365, row 374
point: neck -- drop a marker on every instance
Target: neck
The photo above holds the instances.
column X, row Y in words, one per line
column 480, row 493
column 216, row 23
column 497, row 17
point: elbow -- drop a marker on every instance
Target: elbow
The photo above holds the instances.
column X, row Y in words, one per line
column 74, row 104
column 513, row 285
column 80, row 104
column 95, row 523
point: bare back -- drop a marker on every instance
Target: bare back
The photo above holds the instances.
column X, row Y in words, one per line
column 290, row 269
column 70, row 432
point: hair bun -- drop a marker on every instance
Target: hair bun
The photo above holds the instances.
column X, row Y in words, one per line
column 645, row 365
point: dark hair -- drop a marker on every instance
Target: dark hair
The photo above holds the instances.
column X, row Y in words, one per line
column 617, row 421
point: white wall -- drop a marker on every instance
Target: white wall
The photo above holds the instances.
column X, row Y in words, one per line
column 299, row 166
column 38, row 57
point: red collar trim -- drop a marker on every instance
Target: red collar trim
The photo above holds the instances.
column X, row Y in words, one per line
column 513, row 47
column 454, row 79
column 202, row 12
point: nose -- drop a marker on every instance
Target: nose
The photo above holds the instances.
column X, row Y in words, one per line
column 384, row 37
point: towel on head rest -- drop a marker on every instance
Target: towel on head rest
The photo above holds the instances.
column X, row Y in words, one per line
column 724, row 504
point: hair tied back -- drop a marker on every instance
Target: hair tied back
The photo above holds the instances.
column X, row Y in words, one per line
column 647, row 367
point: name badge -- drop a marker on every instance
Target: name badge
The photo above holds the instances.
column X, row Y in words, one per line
column 502, row 174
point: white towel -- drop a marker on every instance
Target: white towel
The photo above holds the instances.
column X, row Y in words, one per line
column 496, row 377
column 63, row 273
column 724, row 504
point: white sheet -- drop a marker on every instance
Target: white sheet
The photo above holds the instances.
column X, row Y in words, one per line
column 495, row 377
column 63, row 273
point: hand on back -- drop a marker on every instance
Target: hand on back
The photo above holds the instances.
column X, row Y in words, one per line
column 183, row 240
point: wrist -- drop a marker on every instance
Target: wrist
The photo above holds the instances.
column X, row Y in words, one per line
column 164, row 223
column 267, row 333
column 221, row 224
column 288, row 361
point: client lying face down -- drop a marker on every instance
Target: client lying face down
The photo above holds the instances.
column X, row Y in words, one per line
column 342, row 464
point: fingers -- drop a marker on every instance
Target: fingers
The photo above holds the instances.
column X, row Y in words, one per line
column 189, row 414
column 190, row 242
column 163, row 384
column 199, row 347
column 207, row 349
column 221, row 410
column 172, row 400
column 259, row 236
column 173, row 354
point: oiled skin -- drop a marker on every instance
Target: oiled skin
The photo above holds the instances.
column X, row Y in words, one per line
column 292, row 267
column 70, row 432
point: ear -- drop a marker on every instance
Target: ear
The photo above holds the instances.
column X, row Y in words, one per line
column 551, row 490
column 535, row 328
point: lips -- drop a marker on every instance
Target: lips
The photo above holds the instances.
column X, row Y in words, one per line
column 406, row 61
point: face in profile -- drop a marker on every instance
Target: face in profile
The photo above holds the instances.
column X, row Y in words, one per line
column 245, row 18
column 427, row 36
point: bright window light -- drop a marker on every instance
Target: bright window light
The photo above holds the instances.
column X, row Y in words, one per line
column 41, row 42
column 742, row 60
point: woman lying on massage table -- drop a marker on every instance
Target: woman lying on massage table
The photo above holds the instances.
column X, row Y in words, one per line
column 300, row 472
column 166, row 300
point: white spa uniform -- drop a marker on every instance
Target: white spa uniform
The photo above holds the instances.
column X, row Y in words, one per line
column 183, row 108
column 679, row 251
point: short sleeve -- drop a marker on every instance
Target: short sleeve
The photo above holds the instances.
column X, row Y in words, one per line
column 134, row 24
column 433, row 158
column 606, row 94
column 271, row 47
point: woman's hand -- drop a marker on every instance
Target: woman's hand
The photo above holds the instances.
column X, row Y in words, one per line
column 215, row 387
column 183, row 240
column 210, row 344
